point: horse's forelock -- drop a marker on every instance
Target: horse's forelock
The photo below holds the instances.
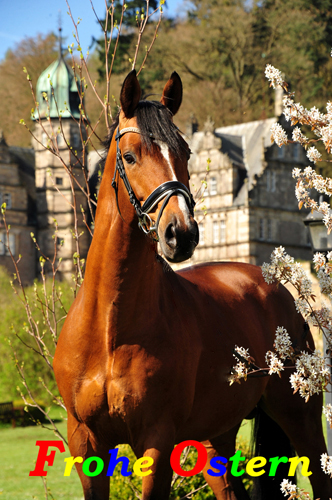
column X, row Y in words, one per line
column 155, row 122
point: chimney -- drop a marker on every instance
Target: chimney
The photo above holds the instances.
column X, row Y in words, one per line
column 278, row 105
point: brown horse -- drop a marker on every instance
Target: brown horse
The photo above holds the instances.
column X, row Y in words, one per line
column 145, row 354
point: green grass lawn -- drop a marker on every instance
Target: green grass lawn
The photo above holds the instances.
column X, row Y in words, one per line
column 18, row 453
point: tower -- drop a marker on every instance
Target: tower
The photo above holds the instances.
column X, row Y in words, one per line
column 60, row 163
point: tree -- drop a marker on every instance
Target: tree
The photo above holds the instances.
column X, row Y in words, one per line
column 124, row 19
column 35, row 54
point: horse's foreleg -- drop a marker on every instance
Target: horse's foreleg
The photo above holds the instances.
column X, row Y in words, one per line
column 159, row 446
column 82, row 443
column 225, row 487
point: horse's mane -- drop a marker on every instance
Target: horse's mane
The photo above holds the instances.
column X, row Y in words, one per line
column 155, row 122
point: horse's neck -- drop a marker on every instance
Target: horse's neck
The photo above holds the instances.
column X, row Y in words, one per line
column 122, row 269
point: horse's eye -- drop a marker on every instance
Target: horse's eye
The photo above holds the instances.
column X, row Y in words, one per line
column 129, row 158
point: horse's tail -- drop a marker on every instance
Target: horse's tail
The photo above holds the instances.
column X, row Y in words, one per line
column 270, row 441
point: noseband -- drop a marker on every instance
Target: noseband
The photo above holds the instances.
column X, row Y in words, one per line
column 163, row 192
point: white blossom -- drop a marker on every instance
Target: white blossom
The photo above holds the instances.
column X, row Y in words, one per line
column 283, row 343
column 319, row 260
column 274, row 76
column 326, row 463
column 311, row 375
column 243, row 352
column 296, row 172
column 327, row 410
column 274, row 364
column 287, row 487
column 240, row 370
column 298, row 136
column 313, row 154
column 278, row 134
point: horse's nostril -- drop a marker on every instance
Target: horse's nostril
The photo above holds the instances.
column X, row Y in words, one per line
column 170, row 236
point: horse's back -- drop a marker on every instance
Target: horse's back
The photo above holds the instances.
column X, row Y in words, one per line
column 250, row 308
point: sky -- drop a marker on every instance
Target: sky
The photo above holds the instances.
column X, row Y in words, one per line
column 27, row 18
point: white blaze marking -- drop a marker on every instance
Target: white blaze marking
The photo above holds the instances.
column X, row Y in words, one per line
column 165, row 152
column 181, row 201
column 184, row 208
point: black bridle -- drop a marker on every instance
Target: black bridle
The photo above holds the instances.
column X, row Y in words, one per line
column 163, row 192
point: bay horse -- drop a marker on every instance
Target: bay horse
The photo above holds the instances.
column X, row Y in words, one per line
column 144, row 356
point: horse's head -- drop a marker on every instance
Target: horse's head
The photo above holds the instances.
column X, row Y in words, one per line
column 152, row 160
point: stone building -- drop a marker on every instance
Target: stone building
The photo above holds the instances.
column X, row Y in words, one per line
column 17, row 191
column 59, row 151
column 35, row 185
column 249, row 199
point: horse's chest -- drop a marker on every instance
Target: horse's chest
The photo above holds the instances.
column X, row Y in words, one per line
column 90, row 399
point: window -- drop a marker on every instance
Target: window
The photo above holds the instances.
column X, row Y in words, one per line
column 6, row 198
column 222, row 231
column 11, row 244
column 213, row 185
column 269, row 230
column 281, row 152
column 297, row 151
column 44, row 139
column 261, row 229
column 59, row 181
column 271, row 181
column 59, row 242
column 201, row 234
column 215, row 232
column 60, row 140
column 3, row 244
column 76, row 139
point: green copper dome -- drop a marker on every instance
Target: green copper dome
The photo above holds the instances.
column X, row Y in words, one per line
column 65, row 101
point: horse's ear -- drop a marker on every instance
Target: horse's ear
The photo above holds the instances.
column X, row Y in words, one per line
column 130, row 94
column 172, row 94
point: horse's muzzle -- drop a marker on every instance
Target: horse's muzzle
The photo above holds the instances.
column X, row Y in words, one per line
column 177, row 242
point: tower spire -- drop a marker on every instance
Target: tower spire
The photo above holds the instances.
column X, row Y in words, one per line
column 60, row 37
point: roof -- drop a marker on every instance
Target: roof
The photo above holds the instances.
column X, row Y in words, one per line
column 232, row 145
column 255, row 137
column 58, row 82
